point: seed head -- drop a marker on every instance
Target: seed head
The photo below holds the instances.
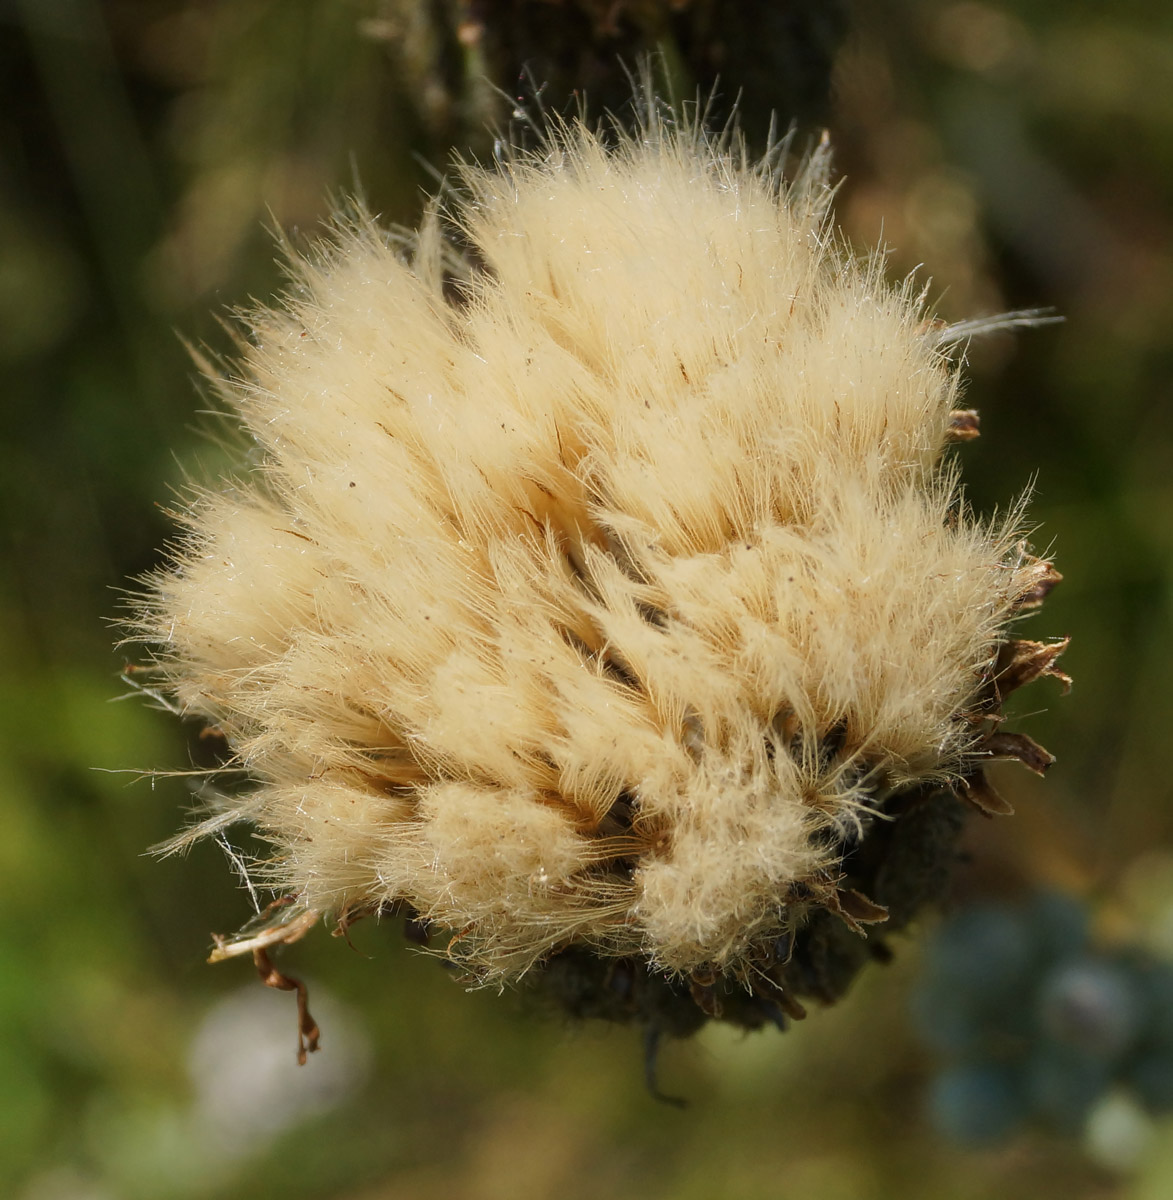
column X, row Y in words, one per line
column 600, row 586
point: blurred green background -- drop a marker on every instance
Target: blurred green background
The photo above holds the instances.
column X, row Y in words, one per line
column 1022, row 151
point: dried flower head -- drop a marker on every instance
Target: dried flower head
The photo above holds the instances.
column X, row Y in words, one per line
column 600, row 595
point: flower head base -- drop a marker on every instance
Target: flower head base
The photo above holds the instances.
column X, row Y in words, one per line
column 601, row 590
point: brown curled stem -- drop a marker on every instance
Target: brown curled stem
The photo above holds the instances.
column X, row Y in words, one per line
column 308, row 1034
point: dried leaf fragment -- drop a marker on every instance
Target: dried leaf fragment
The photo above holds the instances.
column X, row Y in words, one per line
column 981, row 793
column 1021, row 662
column 964, row 425
column 1019, row 746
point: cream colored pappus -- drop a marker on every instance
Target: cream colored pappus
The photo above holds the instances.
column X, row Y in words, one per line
column 602, row 579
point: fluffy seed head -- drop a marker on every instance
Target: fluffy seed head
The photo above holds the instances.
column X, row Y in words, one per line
column 597, row 582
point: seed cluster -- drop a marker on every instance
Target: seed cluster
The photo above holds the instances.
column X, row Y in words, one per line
column 600, row 593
